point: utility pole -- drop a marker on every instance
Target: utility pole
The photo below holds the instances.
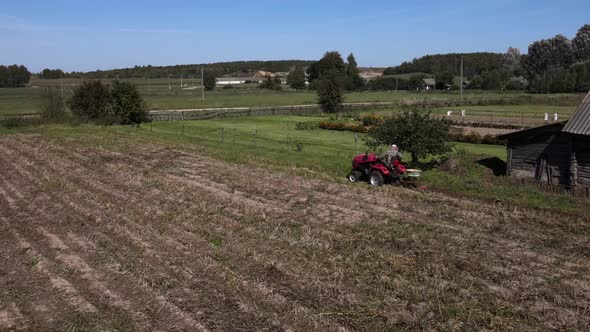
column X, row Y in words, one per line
column 61, row 86
column 169, row 87
column 461, row 83
column 202, row 86
column 181, row 80
column 149, row 88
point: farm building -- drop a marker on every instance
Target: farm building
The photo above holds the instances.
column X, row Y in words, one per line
column 428, row 84
column 558, row 153
column 236, row 80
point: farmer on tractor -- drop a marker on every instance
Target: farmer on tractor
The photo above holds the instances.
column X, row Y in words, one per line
column 390, row 157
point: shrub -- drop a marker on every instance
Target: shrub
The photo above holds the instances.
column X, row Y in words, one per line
column 127, row 104
column 92, row 102
column 415, row 131
column 371, row 120
column 53, row 108
column 307, row 125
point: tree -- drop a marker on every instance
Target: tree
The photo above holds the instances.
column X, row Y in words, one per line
column 271, row 83
column 209, row 80
column 581, row 44
column 127, row 104
column 547, row 53
column 92, row 102
column 330, row 64
column 329, row 91
column 354, row 80
column 52, row 73
column 414, row 131
column 443, row 79
column 492, row 81
column 296, row 78
column 512, row 61
column 14, row 76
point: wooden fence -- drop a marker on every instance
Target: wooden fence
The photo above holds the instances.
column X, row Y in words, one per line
column 576, row 192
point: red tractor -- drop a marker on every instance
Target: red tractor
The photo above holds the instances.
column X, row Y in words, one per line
column 368, row 167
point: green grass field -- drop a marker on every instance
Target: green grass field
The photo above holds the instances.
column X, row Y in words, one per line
column 272, row 141
column 158, row 95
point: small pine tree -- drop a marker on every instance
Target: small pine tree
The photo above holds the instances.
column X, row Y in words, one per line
column 296, row 79
column 209, row 80
column 330, row 93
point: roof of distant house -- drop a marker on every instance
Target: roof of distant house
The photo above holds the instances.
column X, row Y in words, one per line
column 579, row 123
column 429, row 81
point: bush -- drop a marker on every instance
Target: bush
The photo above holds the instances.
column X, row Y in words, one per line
column 92, row 102
column 307, row 125
column 228, row 87
column 371, row 120
column 53, row 107
column 127, row 104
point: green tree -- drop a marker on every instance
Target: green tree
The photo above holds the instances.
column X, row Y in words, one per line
column 209, row 80
column 415, row 131
column 330, row 64
column 271, row 83
column 354, row 80
column 492, row 81
column 329, row 89
column 296, row 78
column 127, row 104
column 581, row 44
column 443, row 79
column 548, row 53
column 91, row 101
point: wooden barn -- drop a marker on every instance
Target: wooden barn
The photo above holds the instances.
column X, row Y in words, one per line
column 557, row 153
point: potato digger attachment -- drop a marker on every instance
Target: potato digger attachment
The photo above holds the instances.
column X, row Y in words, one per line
column 368, row 167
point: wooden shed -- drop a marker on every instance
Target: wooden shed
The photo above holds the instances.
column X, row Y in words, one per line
column 558, row 153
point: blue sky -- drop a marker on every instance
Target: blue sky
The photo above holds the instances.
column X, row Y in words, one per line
column 87, row 35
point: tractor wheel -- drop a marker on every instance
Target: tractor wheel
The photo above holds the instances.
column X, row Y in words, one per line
column 354, row 176
column 376, row 179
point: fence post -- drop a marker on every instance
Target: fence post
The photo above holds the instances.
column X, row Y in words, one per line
column 522, row 119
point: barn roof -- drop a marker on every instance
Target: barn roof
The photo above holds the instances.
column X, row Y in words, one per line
column 533, row 131
column 579, row 123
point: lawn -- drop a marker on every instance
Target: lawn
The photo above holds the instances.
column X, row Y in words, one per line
column 273, row 141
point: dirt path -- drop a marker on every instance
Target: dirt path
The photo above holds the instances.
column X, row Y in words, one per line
column 160, row 239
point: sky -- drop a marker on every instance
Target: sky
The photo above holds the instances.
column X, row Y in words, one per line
column 85, row 35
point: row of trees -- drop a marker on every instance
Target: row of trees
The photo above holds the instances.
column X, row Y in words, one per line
column 51, row 73
column 558, row 64
column 14, row 76
column 193, row 71
column 96, row 102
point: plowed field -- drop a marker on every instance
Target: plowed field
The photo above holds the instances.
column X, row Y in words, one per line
column 164, row 239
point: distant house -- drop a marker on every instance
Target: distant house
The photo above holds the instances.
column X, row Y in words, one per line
column 231, row 80
column 369, row 76
column 236, row 80
column 428, row 84
column 558, row 153
column 263, row 74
